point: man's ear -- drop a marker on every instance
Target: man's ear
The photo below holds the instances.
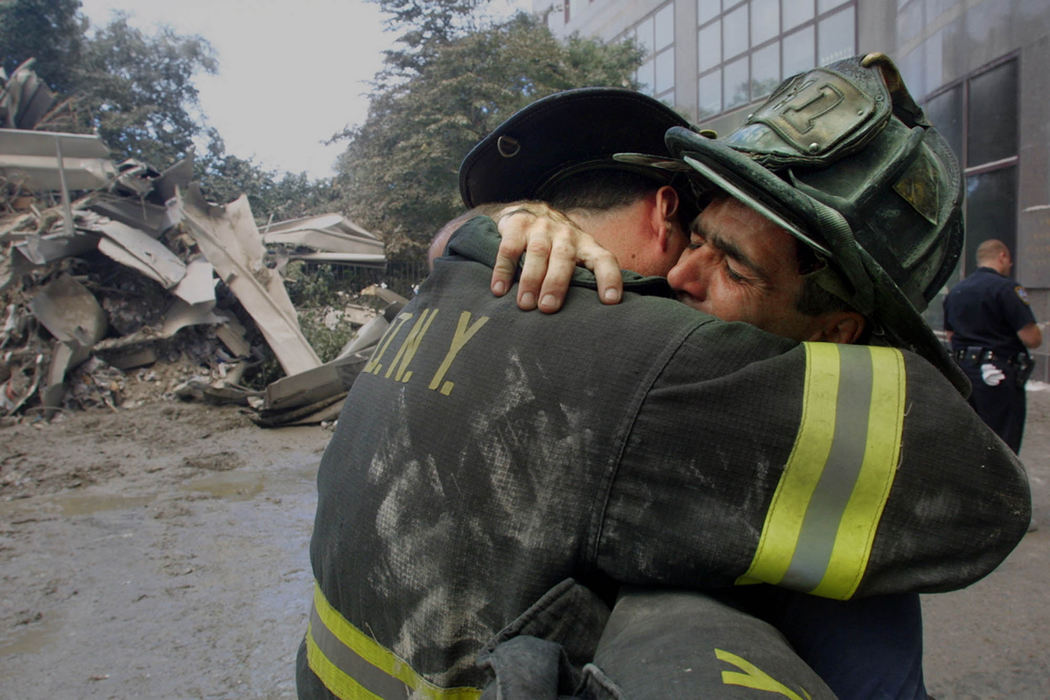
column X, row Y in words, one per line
column 843, row 327
column 663, row 213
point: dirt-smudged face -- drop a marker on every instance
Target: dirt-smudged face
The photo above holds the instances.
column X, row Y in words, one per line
column 740, row 266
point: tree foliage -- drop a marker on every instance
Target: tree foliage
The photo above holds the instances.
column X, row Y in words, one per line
column 50, row 31
column 138, row 90
column 225, row 177
column 399, row 171
column 428, row 23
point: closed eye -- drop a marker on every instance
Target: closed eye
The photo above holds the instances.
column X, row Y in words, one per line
column 734, row 275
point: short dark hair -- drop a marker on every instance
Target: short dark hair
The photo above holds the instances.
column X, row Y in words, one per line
column 609, row 188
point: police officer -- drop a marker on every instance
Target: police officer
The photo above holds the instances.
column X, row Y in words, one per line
column 991, row 327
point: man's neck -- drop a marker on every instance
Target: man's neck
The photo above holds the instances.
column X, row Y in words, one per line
column 994, row 268
column 626, row 233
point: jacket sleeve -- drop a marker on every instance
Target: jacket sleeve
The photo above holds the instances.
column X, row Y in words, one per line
column 836, row 470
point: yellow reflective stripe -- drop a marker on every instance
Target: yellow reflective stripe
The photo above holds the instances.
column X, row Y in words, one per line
column 341, row 685
column 821, row 522
column 754, row 677
column 860, row 519
column 353, row 665
column 787, row 511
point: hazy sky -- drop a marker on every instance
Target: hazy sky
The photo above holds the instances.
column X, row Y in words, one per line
column 291, row 72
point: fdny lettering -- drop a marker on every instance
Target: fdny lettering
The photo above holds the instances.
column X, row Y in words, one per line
column 464, row 332
column 407, row 351
column 410, row 343
column 374, row 365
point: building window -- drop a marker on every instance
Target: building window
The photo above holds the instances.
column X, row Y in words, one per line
column 978, row 117
column 663, row 28
column 796, row 14
column 655, row 34
column 835, row 36
column 747, row 47
column 765, row 70
column 800, row 50
column 709, row 45
column 765, row 20
column 708, row 9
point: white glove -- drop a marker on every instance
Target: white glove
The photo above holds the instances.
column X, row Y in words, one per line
column 991, row 374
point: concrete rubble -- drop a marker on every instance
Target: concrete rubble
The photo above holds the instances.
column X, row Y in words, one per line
column 109, row 271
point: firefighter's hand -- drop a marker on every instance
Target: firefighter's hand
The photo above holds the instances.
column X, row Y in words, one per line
column 991, row 374
column 553, row 245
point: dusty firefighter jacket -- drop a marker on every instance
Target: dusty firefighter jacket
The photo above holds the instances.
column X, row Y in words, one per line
column 486, row 454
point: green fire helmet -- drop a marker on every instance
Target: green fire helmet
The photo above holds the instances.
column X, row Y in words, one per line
column 845, row 160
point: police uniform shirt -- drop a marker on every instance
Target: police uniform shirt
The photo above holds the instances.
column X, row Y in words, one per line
column 986, row 310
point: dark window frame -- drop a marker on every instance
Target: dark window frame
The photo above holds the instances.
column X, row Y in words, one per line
column 964, row 116
column 995, row 166
column 667, row 96
column 731, row 5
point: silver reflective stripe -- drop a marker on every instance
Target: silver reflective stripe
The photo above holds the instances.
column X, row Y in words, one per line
column 368, row 676
column 821, row 524
column 841, row 471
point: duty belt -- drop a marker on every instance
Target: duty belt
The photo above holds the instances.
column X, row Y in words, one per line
column 974, row 354
column 977, row 354
column 1020, row 362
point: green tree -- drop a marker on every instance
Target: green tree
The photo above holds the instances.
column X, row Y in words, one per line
column 399, row 171
column 138, row 90
column 50, row 31
column 429, row 22
column 272, row 196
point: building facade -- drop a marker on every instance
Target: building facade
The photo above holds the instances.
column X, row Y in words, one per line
column 981, row 69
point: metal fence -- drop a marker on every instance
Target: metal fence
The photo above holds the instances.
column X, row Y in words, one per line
column 400, row 276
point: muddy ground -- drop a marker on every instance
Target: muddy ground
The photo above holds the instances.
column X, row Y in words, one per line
column 160, row 551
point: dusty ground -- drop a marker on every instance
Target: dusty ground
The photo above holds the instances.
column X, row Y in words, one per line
column 992, row 640
column 160, row 552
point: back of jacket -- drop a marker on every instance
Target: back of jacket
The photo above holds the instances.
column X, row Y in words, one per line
column 463, row 479
column 485, row 454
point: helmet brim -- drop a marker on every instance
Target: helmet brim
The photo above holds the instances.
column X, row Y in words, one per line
column 560, row 134
column 873, row 293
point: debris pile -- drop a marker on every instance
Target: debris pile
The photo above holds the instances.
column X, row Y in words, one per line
column 113, row 273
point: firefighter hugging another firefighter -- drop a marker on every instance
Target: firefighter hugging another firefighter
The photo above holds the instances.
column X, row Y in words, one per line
column 738, row 495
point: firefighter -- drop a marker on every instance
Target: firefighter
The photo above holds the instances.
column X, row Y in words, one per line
column 776, row 246
column 496, row 476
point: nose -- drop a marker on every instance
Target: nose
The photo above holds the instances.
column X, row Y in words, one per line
column 688, row 274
